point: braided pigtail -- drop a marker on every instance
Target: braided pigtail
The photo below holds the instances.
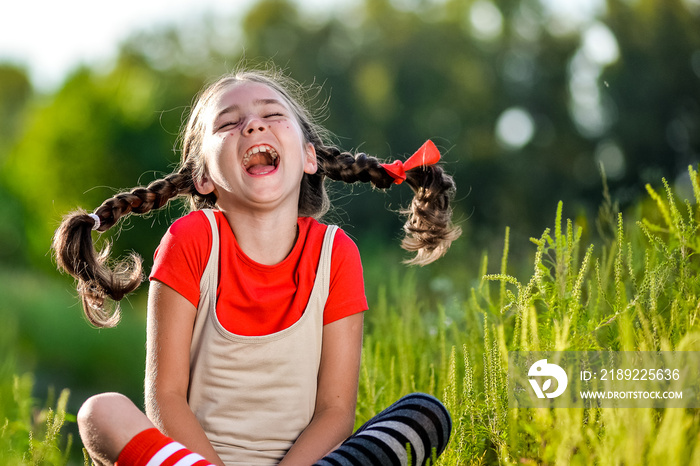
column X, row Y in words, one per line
column 339, row 166
column 76, row 254
column 429, row 229
column 350, row 168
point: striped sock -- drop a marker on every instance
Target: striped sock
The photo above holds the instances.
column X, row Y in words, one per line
column 412, row 431
column 152, row 448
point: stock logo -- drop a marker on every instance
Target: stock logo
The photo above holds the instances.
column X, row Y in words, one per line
column 542, row 369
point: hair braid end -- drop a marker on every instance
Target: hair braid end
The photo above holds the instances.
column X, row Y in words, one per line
column 96, row 281
column 429, row 228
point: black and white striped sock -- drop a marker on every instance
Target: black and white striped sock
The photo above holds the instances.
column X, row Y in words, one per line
column 417, row 425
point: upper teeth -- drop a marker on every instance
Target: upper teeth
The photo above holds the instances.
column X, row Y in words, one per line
column 261, row 148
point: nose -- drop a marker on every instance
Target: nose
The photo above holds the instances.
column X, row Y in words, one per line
column 254, row 124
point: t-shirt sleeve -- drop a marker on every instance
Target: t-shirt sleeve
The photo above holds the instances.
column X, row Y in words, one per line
column 346, row 294
column 182, row 255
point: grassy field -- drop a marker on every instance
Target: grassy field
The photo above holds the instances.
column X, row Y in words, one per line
column 638, row 290
column 635, row 289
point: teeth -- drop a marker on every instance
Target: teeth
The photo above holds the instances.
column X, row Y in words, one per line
column 262, row 148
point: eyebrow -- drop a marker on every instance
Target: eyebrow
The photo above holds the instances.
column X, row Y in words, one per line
column 258, row 102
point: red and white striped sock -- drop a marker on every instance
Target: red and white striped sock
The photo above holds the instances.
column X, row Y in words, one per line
column 151, row 448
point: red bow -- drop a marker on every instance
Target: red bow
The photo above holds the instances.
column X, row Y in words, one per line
column 428, row 154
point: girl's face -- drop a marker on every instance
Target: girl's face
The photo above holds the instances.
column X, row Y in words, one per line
column 254, row 149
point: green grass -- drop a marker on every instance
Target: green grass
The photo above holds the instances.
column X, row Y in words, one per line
column 30, row 434
column 637, row 289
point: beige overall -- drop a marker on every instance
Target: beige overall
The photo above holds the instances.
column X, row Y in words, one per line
column 254, row 395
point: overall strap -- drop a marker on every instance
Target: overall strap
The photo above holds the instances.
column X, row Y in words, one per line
column 210, row 277
column 323, row 272
column 207, row 288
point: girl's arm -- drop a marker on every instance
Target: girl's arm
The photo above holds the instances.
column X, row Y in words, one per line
column 170, row 324
column 334, row 417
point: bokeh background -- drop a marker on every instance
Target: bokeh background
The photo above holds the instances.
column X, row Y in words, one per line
column 530, row 101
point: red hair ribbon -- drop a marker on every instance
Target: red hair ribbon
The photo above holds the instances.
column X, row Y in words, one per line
column 428, row 154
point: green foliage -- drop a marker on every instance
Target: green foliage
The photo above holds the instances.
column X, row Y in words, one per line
column 423, row 72
column 29, row 434
column 15, row 97
column 394, row 74
column 15, row 92
column 98, row 130
column 639, row 292
column 52, row 338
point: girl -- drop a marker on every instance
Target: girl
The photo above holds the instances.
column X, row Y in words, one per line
column 255, row 308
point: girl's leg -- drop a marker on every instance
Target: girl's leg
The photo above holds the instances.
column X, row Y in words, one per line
column 114, row 429
column 107, row 422
column 417, row 423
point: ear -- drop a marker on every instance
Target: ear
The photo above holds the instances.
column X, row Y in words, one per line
column 204, row 185
column 310, row 161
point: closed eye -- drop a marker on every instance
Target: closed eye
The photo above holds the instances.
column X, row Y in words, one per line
column 228, row 124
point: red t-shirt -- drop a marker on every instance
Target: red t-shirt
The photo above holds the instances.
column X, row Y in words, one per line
column 256, row 299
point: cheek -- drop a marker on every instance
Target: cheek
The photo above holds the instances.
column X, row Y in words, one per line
column 289, row 128
column 278, row 124
column 214, row 146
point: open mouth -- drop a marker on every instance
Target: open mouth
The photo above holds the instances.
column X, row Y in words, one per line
column 261, row 160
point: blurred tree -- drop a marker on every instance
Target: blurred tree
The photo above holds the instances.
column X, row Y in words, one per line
column 15, row 92
column 99, row 130
column 655, row 87
column 15, row 95
column 524, row 98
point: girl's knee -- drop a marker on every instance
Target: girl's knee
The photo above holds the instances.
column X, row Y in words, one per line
column 107, row 422
column 429, row 406
column 425, row 400
column 103, row 407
